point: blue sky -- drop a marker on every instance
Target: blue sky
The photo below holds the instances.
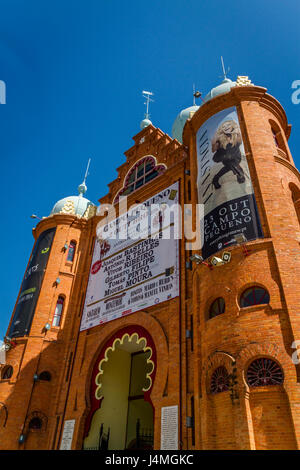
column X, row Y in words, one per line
column 74, row 73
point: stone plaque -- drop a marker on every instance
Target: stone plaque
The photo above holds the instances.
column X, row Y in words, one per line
column 66, row 442
column 169, row 428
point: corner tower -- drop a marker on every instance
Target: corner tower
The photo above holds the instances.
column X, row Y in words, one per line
column 245, row 298
column 40, row 336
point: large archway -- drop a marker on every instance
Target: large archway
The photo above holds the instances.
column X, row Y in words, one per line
column 121, row 415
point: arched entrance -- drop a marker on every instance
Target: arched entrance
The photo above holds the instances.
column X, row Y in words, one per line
column 121, row 415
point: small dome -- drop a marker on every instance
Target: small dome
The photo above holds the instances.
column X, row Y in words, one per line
column 74, row 205
column 180, row 121
column 145, row 123
column 224, row 87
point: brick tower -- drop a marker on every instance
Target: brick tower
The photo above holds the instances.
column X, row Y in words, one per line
column 168, row 344
column 41, row 327
column 246, row 312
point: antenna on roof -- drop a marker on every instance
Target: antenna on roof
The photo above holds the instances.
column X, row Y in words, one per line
column 147, row 94
column 82, row 188
column 87, row 171
column 223, row 68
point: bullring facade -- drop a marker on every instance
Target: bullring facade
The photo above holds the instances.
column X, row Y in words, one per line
column 210, row 363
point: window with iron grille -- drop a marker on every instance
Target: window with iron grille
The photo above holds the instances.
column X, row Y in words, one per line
column 264, row 371
column 141, row 173
column 217, row 307
column 219, row 380
column 254, row 295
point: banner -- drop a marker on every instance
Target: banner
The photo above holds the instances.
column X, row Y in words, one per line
column 224, row 184
column 31, row 285
column 138, row 270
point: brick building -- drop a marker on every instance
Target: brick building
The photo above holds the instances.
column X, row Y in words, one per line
column 210, row 363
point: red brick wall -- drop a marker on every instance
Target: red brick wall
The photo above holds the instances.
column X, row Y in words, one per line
column 241, row 418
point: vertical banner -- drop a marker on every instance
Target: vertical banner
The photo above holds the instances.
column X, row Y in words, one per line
column 224, row 184
column 31, row 285
column 138, row 270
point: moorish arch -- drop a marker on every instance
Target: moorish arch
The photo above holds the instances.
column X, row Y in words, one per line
column 122, row 413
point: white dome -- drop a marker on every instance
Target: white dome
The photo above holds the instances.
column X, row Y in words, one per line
column 224, row 87
column 180, row 121
column 145, row 123
column 76, row 205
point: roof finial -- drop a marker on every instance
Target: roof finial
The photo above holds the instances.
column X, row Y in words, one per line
column 82, row 188
column 145, row 122
column 223, row 68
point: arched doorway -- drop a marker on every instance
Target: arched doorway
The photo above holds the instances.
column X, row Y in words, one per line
column 121, row 415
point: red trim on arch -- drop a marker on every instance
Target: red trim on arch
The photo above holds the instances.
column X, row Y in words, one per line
column 96, row 404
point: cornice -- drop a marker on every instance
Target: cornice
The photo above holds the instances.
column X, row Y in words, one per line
column 287, row 165
column 59, row 219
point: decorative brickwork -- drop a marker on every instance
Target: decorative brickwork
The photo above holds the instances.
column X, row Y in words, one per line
column 190, row 343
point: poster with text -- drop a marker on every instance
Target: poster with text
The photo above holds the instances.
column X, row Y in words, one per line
column 224, row 184
column 31, row 285
column 139, row 269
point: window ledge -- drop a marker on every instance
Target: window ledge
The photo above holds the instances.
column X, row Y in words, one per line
column 252, row 308
column 55, row 329
column 266, row 388
column 282, row 154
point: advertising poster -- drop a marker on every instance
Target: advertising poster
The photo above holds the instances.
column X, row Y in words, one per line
column 31, row 285
column 134, row 272
column 224, row 184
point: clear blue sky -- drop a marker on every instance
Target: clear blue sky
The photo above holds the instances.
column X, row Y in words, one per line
column 75, row 70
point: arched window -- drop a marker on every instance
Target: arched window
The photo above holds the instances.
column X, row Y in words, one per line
column 35, row 423
column 254, row 295
column 217, row 307
column 264, row 371
column 278, row 139
column 141, row 173
column 7, row 372
column 58, row 311
column 45, row 376
column 275, row 138
column 296, row 199
column 71, row 251
column 219, row 380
